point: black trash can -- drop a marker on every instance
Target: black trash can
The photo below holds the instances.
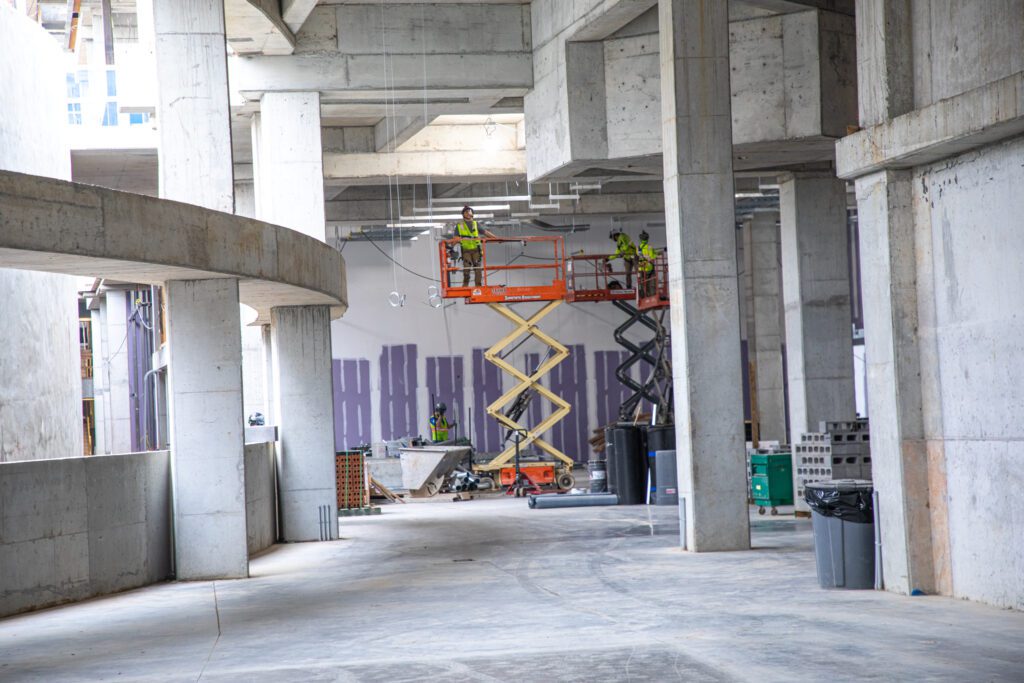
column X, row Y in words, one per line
column 629, row 473
column 843, row 517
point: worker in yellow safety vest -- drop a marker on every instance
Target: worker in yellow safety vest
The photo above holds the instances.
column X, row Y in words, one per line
column 646, row 255
column 469, row 232
column 625, row 250
column 439, row 424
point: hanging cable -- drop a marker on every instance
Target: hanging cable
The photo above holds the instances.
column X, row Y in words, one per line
column 399, row 265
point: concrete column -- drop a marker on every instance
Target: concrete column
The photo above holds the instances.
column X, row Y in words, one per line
column 269, row 412
column 195, row 126
column 207, row 434
column 289, row 182
column 305, row 414
column 765, row 342
column 115, row 370
column 288, row 170
column 816, row 291
column 885, row 60
column 204, row 338
column 899, row 453
column 701, row 233
column 99, row 382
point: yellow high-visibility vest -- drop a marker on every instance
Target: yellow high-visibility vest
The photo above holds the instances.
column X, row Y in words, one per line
column 438, row 428
column 647, row 256
column 624, row 247
column 470, row 235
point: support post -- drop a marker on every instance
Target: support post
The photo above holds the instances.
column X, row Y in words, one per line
column 289, row 191
column 701, row 232
column 816, row 291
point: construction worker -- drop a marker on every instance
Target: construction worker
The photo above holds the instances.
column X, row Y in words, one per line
column 439, row 424
column 645, row 256
column 469, row 231
column 625, row 250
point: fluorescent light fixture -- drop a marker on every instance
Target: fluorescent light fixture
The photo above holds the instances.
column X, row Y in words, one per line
column 425, row 232
column 470, row 200
column 413, row 238
column 546, row 206
column 484, row 207
column 441, row 217
column 749, row 195
column 573, row 197
column 421, row 224
column 525, row 214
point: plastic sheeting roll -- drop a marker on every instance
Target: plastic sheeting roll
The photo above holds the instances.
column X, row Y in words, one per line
column 598, row 476
column 548, row 501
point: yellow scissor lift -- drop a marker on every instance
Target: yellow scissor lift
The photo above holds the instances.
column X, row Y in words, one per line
column 500, row 298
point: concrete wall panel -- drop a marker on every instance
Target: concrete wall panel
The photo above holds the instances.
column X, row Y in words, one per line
column 977, row 335
column 75, row 528
column 260, row 496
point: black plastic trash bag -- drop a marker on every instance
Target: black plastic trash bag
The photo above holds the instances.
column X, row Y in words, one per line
column 845, row 499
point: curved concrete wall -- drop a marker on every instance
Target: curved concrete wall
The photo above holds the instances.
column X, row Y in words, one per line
column 40, row 377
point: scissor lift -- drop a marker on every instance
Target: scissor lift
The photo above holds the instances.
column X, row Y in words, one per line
column 548, row 284
column 593, row 279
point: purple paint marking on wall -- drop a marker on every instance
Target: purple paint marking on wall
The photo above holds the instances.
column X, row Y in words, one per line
column 398, row 392
column 351, row 402
column 610, row 391
column 486, row 389
column 445, row 381
column 569, row 380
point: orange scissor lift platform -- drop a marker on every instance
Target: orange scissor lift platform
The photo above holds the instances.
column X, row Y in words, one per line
column 543, row 280
column 553, row 277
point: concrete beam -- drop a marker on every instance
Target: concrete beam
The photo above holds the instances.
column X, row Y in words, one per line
column 949, row 127
column 295, row 12
column 400, row 51
column 255, row 27
column 416, row 167
column 62, row 227
column 394, row 131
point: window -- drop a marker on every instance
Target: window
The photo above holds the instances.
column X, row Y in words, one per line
column 110, row 114
column 75, row 113
column 111, row 84
column 73, row 90
column 137, row 118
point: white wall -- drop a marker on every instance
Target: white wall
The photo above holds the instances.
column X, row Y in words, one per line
column 970, row 241
column 40, row 370
column 74, row 528
column 458, row 328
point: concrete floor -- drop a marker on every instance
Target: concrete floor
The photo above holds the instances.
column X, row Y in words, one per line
column 492, row 591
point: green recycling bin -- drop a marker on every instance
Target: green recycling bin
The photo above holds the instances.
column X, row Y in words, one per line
column 771, row 480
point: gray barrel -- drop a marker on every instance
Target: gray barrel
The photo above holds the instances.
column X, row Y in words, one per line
column 547, row 501
column 598, row 476
column 611, row 471
column 842, row 516
column 668, row 491
column 630, row 466
column 660, row 438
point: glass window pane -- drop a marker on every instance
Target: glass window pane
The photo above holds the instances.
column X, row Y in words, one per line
column 110, row 114
column 111, row 84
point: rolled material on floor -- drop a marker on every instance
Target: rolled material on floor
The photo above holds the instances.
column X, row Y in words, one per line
column 547, row 501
